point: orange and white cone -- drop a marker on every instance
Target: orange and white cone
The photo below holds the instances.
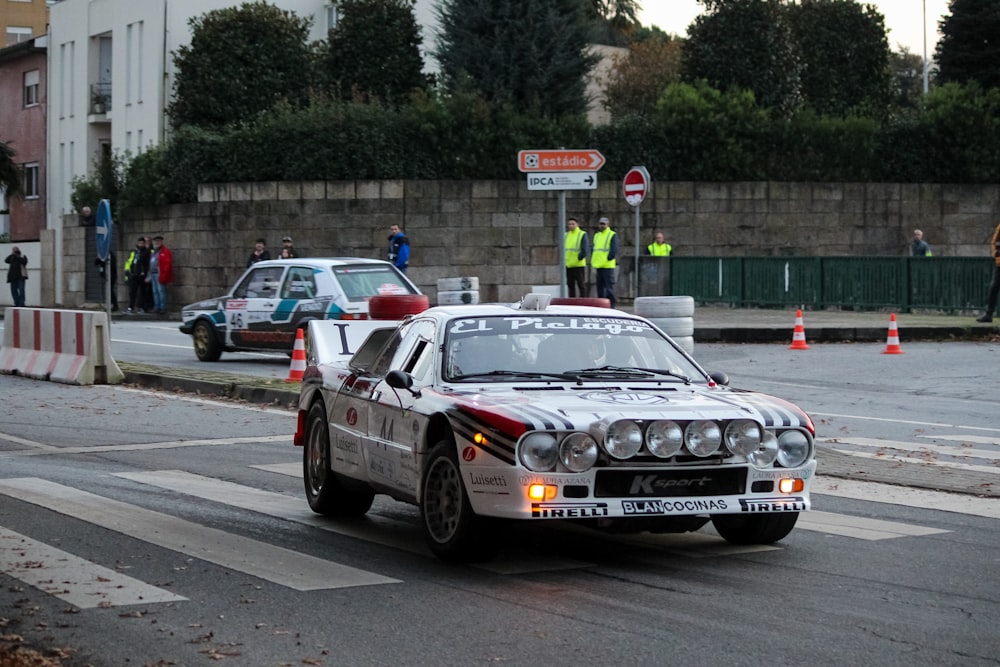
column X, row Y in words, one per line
column 298, row 367
column 892, row 342
column 799, row 335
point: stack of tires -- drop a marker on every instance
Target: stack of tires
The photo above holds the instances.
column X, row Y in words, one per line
column 396, row 306
column 674, row 315
column 458, row 291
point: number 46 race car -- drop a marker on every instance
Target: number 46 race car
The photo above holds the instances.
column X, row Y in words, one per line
column 538, row 412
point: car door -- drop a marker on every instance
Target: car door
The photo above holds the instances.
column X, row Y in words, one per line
column 249, row 321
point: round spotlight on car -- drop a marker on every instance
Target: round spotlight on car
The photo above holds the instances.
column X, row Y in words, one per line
column 539, row 452
column 578, row 452
column 623, row 439
column 703, row 437
column 793, row 449
column 743, row 436
column 664, row 439
column 765, row 455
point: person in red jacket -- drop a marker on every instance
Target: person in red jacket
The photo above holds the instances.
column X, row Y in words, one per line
column 161, row 274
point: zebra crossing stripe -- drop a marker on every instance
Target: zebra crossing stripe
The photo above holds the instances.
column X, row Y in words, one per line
column 74, row 580
column 272, row 563
column 860, row 527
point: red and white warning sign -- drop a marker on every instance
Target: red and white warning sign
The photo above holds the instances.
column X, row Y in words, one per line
column 636, row 185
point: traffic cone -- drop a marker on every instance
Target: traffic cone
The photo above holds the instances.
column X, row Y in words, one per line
column 298, row 368
column 892, row 342
column 799, row 335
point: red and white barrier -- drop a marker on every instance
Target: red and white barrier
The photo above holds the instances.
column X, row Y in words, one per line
column 69, row 346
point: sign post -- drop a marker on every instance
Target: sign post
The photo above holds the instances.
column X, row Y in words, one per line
column 635, row 185
column 103, row 228
column 561, row 170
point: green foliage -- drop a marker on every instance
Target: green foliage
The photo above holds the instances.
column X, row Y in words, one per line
column 969, row 48
column 907, row 81
column 636, row 81
column 105, row 181
column 526, row 54
column 10, row 173
column 240, row 62
column 810, row 147
column 845, row 56
column 963, row 123
column 373, row 53
column 746, row 45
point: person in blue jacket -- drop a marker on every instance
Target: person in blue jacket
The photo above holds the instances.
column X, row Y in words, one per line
column 399, row 248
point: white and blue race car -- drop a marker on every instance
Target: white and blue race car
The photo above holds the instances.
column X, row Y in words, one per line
column 274, row 298
column 538, row 412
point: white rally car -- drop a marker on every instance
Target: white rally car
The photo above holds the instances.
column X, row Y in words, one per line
column 537, row 412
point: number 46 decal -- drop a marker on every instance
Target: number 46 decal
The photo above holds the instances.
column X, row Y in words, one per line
column 236, row 320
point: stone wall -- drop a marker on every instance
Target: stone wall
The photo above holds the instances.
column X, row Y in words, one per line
column 508, row 236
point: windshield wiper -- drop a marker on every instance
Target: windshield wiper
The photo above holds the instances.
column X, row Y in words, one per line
column 631, row 371
column 522, row 374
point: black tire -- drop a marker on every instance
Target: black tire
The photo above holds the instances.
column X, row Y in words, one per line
column 206, row 342
column 754, row 528
column 326, row 492
column 453, row 531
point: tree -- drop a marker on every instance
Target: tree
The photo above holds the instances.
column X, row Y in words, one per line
column 969, row 48
column 845, row 56
column 638, row 80
column 374, row 52
column 239, row 63
column 529, row 54
column 907, row 80
column 10, row 174
column 746, row 45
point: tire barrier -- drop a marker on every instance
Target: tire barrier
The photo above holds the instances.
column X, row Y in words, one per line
column 686, row 343
column 396, row 306
column 598, row 302
column 459, row 297
column 664, row 306
column 462, row 284
column 675, row 327
column 68, row 346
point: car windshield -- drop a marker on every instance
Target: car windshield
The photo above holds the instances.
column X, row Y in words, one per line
column 360, row 282
column 550, row 346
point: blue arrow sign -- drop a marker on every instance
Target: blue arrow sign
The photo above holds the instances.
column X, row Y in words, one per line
column 103, row 230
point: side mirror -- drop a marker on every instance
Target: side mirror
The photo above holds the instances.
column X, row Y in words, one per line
column 720, row 378
column 399, row 380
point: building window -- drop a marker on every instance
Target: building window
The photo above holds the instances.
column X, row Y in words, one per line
column 331, row 16
column 16, row 34
column 31, row 88
column 31, row 181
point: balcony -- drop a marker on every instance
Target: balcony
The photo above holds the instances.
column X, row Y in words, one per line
column 100, row 100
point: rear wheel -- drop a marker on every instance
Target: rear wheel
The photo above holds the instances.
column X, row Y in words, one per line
column 754, row 528
column 453, row 531
column 326, row 491
column 206, row 343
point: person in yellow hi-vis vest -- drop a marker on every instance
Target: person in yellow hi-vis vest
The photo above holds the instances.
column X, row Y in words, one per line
column 603, row 260
column 659, row 247
column 576, row 246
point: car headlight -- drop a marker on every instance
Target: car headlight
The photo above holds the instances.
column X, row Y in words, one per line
column 793, row 449
column 539, row 452
column 578, row 452
column 703, row 437
column 743, row 436
column 623, row 439
column 664, row 439
column 766, row 453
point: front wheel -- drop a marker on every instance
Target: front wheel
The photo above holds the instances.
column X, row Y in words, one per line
column 206, row 343
column 327, row 493
column 754, row 528
column 453, row 531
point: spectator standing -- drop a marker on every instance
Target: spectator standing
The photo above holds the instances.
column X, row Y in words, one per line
column 147, row 287
column 87, row 218
column 136, row 269
column 991, row 299
column 603, row 260
column 287, row 249
column 399, row 248
column 259, row 253
column 17, row 273
column 919, row 247
column 659, row 247
column 102, row 268
column 161, row 274
column 576, row 246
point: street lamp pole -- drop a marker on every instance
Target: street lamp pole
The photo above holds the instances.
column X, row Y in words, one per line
column 926, row 65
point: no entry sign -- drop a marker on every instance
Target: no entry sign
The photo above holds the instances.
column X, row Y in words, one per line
column 636, row 185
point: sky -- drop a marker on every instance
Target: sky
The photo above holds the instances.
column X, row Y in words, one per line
column 903, row 19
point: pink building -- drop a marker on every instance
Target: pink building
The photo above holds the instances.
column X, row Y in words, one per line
column 23, row 106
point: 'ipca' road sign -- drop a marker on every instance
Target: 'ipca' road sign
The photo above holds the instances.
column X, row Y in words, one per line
column 103, row 228
column 559, row 160
column 564, row 180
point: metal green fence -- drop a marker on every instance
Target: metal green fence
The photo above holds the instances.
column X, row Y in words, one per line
column 938, row 283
